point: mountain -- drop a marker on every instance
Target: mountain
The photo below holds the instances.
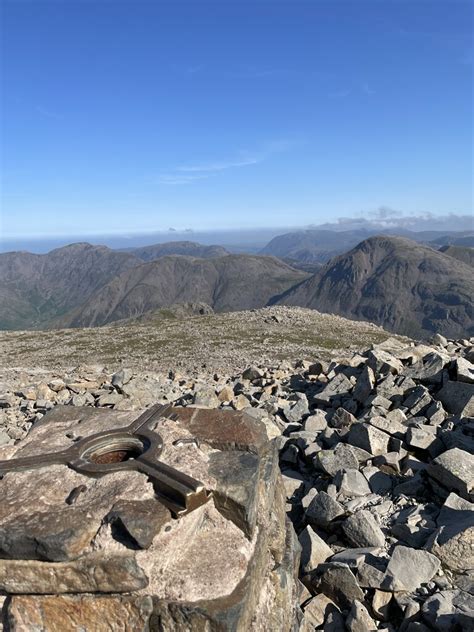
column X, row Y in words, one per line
column 313, row 246
column 187, row 248
column 464, row 239
column 36, row 288
column 392, row 281
column 229, row 283
column 462, row 253
column 320, row 245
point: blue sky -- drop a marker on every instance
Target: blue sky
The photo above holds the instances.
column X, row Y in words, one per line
column 137, row 116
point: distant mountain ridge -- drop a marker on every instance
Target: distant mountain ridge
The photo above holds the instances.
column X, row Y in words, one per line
column 186, row 248
column 229, row 283
column 319, row 245
column 392, row 281
column 37, row 288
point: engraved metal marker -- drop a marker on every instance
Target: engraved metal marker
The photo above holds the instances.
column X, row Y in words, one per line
column 135, row 448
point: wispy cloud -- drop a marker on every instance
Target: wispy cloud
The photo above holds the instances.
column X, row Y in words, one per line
column 222, row 166
column 176, row 178
column 188, row 173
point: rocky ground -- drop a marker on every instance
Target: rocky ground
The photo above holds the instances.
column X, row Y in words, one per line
column 195, row 345
column 376, row 451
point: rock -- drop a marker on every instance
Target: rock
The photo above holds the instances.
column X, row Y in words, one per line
column 323, row 510
column 109, row 399
column 364, row 385
column 57, row 385
column 79, row 612
column 121, row 378
column 351, row 483
column 361, row 530
column 453, row 541
column 359, row 619
column 205, row 398
column 464, row 371
column 5, row 438
column 381, row 604
column 292, row 481
column 454, row 469
column 252, row 373
column 418, row 399
column 457, row 398
column 342, row 418
column 316, row 611
column 240, row 402
column 340, row 584
column 439, row 340
column 314, row 550
column 368, row 438
column 421, row 438
column 298, row 411
column 316, row 422
column 94, row 573
column 382, row 362
column 339, row 385
column 331, row 461
column 226, row 394
column 409, row 568
column 449, row 611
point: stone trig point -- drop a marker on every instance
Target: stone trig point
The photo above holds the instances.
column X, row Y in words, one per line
column 174, row 520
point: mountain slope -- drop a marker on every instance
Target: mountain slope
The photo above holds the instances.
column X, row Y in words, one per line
column 35, row 288
column 313, row 246
column 397, row 283
column 229, row 283
column 461, row 253
column 188, row 248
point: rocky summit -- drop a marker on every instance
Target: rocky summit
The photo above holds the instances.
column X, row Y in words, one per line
column 376, row 459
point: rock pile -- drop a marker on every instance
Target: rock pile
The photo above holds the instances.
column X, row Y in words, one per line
column 376, row 451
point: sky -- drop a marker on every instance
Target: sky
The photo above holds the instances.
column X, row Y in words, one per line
column 123, row 117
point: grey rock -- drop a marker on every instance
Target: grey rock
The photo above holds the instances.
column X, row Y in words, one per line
column 454, row 469
column 351, row 483
column 323, row 510
column 439, row 340
column 252, row 373
column 342, row 418
column 340, row 584
column 359, row 619
column 368, row 438
column 382, row 362
column 339, row 385
column 409, row 568
column 453, row 541
column 316, row 422
column 121, row 378
column 361, row 530
column 465, row 370
column 206, row 398
column 449, row 611
column 417, row 400
column 457, row 398
column 422, row 437
column 331, row 461
column 364, row 385
column 314, row 550
column 299, row 410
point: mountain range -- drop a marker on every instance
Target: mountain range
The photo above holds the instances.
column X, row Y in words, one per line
column 407, row 287
column 319, row 246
